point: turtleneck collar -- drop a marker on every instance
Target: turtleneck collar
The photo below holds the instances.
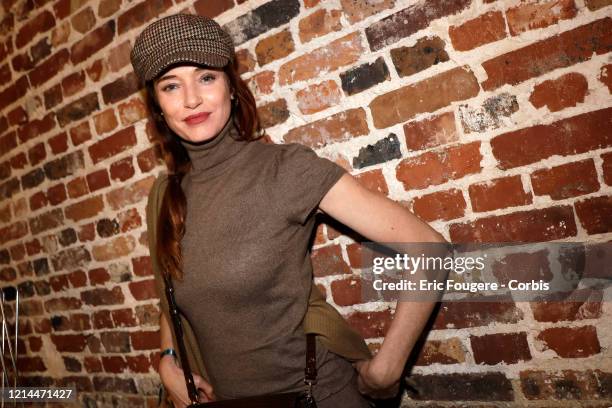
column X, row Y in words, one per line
column 212, row 156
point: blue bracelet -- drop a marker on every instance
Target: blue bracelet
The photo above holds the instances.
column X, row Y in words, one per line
column 168, row 351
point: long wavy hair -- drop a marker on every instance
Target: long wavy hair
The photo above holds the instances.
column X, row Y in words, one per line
column 171, row 217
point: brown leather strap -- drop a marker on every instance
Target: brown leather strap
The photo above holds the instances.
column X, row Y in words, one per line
column 310, row 373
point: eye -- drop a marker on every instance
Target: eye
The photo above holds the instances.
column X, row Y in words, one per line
column 206, row 77
column 168, row 87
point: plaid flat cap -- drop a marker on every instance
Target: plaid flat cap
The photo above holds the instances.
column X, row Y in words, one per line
column 180, row 38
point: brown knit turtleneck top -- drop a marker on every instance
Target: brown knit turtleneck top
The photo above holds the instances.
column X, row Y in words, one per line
column 247, row 267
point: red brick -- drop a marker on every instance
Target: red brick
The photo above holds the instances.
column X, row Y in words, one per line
column 12, row 232
column 431, row 132
column 563, row 92
column 77, row 187
column 122, row 170
column 339, row 53
column 539, row 14
column 565, row 385
column 112, row 145
column 92, row 42
column 428, row 95
column 568, row 310
column 142, row 266
column 124, row 318
column 597, row 4
column 319, row 23
column 92, row 364
column 509, row 348
column 460, row 315
column 571, row 342
column 335, row 128
column 373, row 180
column 145, row 340
column 605, row 76
column 87, row 208
column 38, row 200
column 594, row 214
column 77, row 279
column 143, row 290
column 574, row 135
column 138, row 364
column 30, row 364
column 409, row 20
column 43, row 222
column 525, row 226
column 441, row 205
column 328, row 261
column 346, row 292
column 37, row 127
column 14, row 92
column 149, row 159
column 129, row 220
column 371, row 324
column 481, row 30
column 141, row 14
column 114, row 364
column 356, row 11
column 59, row 143
column 498, row 193
column 438, row 167
column 84, row 20
column 115, row 248
column 105, row 122
column 448, row 351
column 102, row 320
column 567, row 180
column 97, row 180
column 72, row 343
column 607, row 168
column 98, row 276
column 559, row 51
column 80, row 133
column 129, row 194
column 274, row 47
column 49, row 68
column 102, row 296
column 318, row 97
column 212, row 9
column 73, row 83
column 87, row 232
column 42, row 22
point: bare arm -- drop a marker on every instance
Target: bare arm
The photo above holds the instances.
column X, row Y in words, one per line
column 382, row 220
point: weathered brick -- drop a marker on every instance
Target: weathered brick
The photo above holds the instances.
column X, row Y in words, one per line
column 335, row 128
column 408, row 21
column 84, row 20
column 568, row 310
column 115, row 385
column 594, row 214
column 489, row 115
column 509, row 348
column 273, row 113
column 328, row 261
column 120, row 89
column 72, row 343
column 43, row 222
column 145, row 340
column 597, row 4
column 448, row 351
column 383, row 150
column 441, row 205
column 574, row 135
column 318, row 97
column 559, row 51
column 268, row 16
column 58, row 143
column 463, row 387
column 341, row 52
column 565, row 385
column 102, row 296
column 14, row 92
column 567, row 180
column 540, row 14
column 140, row 14
column 78, row 109
column 373, row 180
column 370, row 324
column 319, row 23
column 274, row 47
column 97, row 180
column 92, row 42
column 459, row 315
column 143, row 290
column 86, row 208
column 605, row 76
column 118, row 247
column 124, row 318
column 525, row 226
column 364, row 76
column 77, row 187
column 132, row 111
column 571, row 342
column 428, row 95
column 437, row 167
column 346, row 292
column 130, row 194
column 560, row 93
column 37, row 127
column 71, row 258
column 607, row 168
column 122, row 169
column 356, row 11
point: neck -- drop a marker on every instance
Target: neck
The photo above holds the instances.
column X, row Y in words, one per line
column 213, row 156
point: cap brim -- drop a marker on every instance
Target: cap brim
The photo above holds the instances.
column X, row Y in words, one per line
column 187, row 56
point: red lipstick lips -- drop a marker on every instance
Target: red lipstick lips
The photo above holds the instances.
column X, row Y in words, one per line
column 197, row 118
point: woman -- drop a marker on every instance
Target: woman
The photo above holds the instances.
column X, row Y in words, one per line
column 235, row 223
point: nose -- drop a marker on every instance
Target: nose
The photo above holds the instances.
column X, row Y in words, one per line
column 192, row 97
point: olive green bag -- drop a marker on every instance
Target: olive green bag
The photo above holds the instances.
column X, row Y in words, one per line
column 321, row 318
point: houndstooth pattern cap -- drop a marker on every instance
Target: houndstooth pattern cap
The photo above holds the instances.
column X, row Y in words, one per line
column 180, row 38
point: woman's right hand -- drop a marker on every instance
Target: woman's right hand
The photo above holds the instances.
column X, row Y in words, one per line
column 173, row 378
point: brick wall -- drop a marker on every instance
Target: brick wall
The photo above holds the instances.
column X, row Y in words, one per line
column 489, row 119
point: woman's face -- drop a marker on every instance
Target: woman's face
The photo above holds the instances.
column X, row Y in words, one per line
column 195, row 101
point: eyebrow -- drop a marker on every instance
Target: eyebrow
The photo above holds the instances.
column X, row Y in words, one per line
column 170, row 76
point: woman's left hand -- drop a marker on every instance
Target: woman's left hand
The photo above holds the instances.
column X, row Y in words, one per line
column 375, row 380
